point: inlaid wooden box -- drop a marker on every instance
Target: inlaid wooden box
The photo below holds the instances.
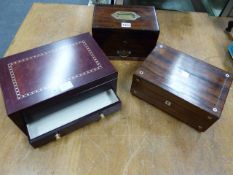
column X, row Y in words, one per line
column 125, row 32
column 54, row 89
column 183, row 86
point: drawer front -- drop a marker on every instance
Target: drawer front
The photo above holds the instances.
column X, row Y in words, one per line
column 53, row 123
column 62, row 131
column 126, row 43
column 161, row 99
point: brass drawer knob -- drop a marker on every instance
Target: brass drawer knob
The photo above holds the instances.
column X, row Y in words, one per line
column 57, row 136
column 123, row 53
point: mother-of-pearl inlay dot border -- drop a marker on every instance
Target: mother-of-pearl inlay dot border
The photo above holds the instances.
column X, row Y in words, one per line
column 14, row 81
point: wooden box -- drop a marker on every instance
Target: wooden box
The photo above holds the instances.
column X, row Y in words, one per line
column 125, row 32
column 54, row 89
column 184, row 87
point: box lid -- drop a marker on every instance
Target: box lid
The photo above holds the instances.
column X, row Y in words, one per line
column 39, row 74
column 188, row 78
column 125, row 17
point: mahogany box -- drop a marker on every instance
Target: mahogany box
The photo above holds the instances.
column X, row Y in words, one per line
column 54, row 89
column 183, row 86
column 125, row 32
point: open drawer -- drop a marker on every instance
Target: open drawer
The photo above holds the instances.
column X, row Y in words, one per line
column 54, row 89
column 52, row 123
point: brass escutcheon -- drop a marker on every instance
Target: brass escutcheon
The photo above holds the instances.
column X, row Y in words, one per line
column 125, row 15
column 168, row 103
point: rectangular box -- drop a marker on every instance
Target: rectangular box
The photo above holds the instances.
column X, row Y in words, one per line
column 54, row 89
column 183, row 86
column 125, row 32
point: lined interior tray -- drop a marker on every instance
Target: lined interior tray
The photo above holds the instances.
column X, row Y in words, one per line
column 47, row 120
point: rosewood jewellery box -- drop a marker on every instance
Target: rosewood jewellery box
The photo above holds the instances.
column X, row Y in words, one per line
column 52, row 90
column 125, row 32
column 183, row 86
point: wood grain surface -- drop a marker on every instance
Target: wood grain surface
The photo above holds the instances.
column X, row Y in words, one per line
column 146, row 19
column 183, row 86
column 139, row 139
column 131, row 43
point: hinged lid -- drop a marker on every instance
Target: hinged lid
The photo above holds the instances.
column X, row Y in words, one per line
column 125, row 17
column 39, row 74
column 188, row 78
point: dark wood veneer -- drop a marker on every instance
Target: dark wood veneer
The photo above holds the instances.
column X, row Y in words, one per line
column 139, row 39
column 183, row 86
column 44, row 76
